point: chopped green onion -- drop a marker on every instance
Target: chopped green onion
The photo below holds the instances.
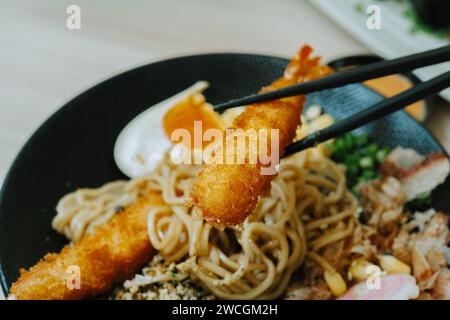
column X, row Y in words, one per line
column 372, row 149
column 360, row 156
column 361, row 139
column 368, row 175
column 339, row 145
column 352, row 170
column 349, row 141
column 382, row 154
column 366, row 162
column 353, row 158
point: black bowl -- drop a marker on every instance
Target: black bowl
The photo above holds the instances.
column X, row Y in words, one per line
column 74, row 147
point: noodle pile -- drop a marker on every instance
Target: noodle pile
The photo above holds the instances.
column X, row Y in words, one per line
column 308, row 210
column 80, row 211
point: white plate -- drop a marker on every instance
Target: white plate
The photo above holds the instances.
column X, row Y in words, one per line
column 394, row 39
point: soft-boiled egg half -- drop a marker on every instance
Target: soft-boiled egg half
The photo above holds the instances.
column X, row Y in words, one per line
column 143, row 142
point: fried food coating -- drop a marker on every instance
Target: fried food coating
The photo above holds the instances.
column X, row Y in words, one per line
column 113, row 253
column 227, row 193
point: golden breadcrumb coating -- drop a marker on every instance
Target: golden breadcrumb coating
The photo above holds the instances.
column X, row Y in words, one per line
column 113, row 253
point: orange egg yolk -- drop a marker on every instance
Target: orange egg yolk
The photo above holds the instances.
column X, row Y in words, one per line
column 183, row 114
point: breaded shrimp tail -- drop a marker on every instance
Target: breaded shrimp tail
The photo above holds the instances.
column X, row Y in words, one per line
column 227, row 193
column 113, row 253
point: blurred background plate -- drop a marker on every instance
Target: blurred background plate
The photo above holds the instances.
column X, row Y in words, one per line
column 401, row 33
column 74, row 147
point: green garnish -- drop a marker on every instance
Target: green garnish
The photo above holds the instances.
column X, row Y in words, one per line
column 419, row 26
column 360, row 156
column 366, row 162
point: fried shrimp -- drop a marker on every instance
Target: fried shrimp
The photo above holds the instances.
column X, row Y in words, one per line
column 113, row 253
column 227, row 193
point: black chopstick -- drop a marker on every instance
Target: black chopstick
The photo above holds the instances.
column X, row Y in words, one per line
column 360, row 74
column 378, row 110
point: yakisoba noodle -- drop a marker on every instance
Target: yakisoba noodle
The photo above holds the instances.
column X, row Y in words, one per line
column 308, row 209
column 78, row 212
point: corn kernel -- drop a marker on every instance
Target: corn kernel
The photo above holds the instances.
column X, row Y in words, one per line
column 358, row 269
column 335, row 282
column 392, row 265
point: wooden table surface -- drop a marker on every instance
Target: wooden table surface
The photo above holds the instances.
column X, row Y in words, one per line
column 43, row 64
